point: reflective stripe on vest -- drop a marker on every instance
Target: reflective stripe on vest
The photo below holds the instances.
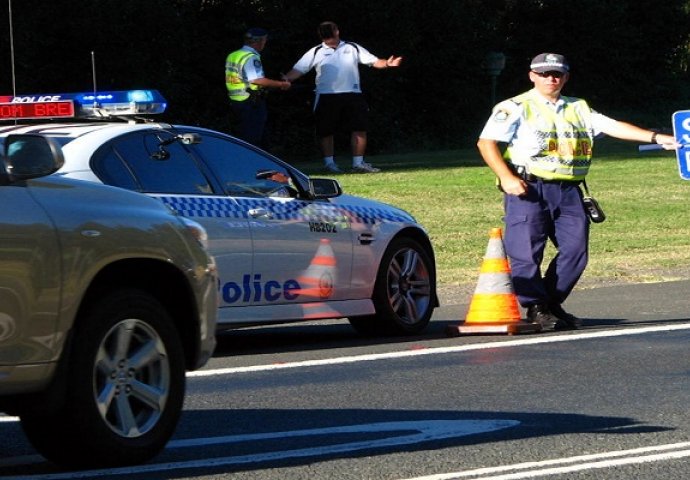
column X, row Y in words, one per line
column 238, row 89
column 565, row 138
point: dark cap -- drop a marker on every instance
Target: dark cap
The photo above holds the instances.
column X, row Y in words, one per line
column 255, row 34
column 549, row 62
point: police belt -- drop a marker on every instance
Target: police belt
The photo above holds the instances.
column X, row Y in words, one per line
column 521, row 172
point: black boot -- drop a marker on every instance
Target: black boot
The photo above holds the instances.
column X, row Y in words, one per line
column 541, row 315
column 568, row 321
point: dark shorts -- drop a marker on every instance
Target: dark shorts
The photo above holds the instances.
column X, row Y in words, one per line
column 336, row 112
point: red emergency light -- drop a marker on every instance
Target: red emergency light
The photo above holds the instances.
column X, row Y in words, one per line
column 12, row 111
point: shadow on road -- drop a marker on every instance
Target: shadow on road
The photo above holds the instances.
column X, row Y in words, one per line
column 255, row 439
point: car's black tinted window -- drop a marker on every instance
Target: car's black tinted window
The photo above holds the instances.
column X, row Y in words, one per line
column 237, row 166
column 112, row 170
column 161, row 169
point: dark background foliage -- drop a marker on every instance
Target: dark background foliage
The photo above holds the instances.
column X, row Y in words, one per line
column 628, row 57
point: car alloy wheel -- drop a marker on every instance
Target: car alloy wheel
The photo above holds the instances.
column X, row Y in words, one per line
column 125, row 386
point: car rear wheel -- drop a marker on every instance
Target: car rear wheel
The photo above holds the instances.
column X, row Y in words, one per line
column 125, row 386
column 404, row 292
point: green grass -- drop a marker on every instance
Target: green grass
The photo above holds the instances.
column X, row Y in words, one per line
column 646, row 236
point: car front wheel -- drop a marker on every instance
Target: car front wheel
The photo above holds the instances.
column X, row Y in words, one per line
column 404, row 293
column 125, row 387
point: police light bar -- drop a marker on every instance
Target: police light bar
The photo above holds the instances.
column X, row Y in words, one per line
column 82, row 105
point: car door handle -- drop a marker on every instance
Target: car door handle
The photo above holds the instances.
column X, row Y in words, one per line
column 260, row 212
column 365, row 238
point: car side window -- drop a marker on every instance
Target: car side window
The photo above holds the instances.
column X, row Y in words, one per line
column 241, row 170
column 112, row 170
column 156, row 165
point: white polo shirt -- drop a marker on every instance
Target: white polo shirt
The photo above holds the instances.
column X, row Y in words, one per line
column 337, row 69
column 507, row 124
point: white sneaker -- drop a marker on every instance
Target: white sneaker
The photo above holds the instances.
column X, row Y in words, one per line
column 365, row 168
column 332, row 167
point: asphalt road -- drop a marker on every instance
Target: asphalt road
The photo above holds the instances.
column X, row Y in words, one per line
column 317, row 401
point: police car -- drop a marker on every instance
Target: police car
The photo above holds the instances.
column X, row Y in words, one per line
column 288, row 247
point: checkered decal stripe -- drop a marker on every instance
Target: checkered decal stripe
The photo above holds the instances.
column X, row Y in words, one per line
column 220, row 207
column 372, row 215
column 204, row 207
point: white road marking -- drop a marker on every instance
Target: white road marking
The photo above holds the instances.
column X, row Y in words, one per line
column 580, row 463
column 534, row 340
column 460, row 428
column 402, row 433
column 427, row 430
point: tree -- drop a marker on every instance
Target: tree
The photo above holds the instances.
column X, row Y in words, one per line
column 625, row 61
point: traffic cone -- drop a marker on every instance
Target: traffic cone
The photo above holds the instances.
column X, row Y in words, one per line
column 494, row 307
column 317, row 281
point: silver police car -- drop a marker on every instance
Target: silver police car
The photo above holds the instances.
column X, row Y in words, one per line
column 288, row 247
column 106, row 298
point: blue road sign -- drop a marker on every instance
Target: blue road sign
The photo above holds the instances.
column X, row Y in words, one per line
column 681, row 130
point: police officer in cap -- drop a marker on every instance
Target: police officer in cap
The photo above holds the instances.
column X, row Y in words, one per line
column 247, row 84
column 549, row 140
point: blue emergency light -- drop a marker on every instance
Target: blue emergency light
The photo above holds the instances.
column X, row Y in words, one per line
column 82, row 105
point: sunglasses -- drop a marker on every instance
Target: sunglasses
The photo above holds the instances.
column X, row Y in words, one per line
column 552, row 73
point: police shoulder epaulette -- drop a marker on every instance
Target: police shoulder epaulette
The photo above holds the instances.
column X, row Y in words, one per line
column 520, row 99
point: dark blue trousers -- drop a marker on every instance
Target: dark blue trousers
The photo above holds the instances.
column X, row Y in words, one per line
column 549, row 211
column 251, row 118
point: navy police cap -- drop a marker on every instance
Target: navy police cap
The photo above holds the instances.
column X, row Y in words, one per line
column 549, row 62
column 255, row 33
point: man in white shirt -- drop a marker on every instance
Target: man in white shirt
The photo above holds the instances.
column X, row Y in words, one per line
column 339, row 101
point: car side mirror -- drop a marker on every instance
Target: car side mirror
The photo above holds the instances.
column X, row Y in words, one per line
column 27, row 156
column 324, row 188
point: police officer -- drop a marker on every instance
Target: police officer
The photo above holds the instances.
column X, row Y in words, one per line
column 246, row 84
column 549, row 141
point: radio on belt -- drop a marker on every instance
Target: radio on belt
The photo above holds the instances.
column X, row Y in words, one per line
column 82, row 105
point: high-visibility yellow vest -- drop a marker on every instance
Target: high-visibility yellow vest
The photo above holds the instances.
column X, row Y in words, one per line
column 238, row 89
column 566, row 138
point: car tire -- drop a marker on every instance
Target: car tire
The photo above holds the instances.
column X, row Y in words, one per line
column 404, row 292
column 125, row 386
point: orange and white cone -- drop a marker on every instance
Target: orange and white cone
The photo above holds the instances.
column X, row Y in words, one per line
column 318, row 284
column 494, row 307
column 317, row 281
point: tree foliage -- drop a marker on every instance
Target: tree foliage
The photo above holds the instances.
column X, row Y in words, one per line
column 628, row 57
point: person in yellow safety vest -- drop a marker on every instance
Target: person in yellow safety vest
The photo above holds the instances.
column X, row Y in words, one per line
column 246, row 84
column 549, row 140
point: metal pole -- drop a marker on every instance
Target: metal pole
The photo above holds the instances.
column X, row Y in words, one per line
column 494, row 63
column 14, row 82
